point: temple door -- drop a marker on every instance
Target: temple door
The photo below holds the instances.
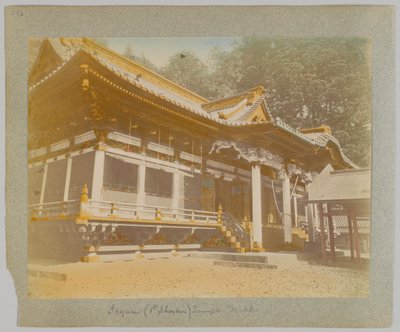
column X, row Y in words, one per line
column 223, row 195
column 238, row 200
column 208, row 192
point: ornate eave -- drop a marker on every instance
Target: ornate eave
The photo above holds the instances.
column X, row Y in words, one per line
column 249, row 153
column 105, row 68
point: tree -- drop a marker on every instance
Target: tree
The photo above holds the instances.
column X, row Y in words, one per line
column 141, row 59
column 308, row 82
column 189, row 71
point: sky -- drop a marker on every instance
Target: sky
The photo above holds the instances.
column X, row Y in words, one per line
column 159, row 49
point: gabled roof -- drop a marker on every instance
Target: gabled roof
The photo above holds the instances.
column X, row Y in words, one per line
column 244, row 108
column 247, row 109
column 342, row 185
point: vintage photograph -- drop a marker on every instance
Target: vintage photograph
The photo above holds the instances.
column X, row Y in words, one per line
column 199, row 167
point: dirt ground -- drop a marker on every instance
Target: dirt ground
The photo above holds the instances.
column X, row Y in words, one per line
column 192, row 277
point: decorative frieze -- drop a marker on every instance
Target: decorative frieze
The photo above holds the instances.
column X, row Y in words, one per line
column 37, row 153
column 86, row 137
column 160, row 148
column 250, row 154
column 220, row 166
column 190, row 157
column 60, row 145
column 126, row 139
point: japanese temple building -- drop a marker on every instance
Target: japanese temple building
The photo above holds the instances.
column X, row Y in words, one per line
column 115, row 146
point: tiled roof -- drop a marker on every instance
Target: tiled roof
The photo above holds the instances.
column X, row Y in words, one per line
column 162, row 92
column 64, row 50
column 232, row 111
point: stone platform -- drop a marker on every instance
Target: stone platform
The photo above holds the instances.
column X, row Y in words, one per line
column 248, row 260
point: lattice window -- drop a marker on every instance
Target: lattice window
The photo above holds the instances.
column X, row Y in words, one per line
column 55, row 182
column 158, row 183
column 119, row 175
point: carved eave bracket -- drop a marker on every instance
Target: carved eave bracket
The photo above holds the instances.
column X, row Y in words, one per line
column 101, row 136
column 295, row 170
column 249, row 154
column 261, row 156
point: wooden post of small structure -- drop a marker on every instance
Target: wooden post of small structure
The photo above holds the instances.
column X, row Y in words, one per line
column 356, row 237
column 219, row 214
column 350, row 222
column 322, row 230
column 331, row 235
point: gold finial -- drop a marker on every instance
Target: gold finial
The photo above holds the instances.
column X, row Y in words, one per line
column 84, row 194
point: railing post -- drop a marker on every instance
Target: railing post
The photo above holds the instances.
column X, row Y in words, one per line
column 158, row 214
column 192, row 215
column 113, row 209
column 84, row 203
column 63, row 209
column 219, row 214
column 246, row 223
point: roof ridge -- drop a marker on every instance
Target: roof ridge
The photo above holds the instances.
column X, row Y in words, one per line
column 146, row 71
column 257, row 88
column 253, row 107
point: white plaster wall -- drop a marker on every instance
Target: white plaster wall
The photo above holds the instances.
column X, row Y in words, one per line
column 158, row 201
column 119, row 196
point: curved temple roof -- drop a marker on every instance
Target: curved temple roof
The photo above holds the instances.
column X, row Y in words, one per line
column 242, row 110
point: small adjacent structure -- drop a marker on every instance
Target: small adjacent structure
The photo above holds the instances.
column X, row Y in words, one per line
column 338, row 208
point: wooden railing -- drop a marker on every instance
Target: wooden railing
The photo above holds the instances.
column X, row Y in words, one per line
column 149, row 212
column 105, row 209
column 238, row 230
column 54, row 209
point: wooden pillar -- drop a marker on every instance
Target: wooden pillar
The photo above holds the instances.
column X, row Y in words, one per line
column 356, row 237
column 256, row 203
column 44, row 180
column 310, row 222
column 350, row 222
column 141, row 178
column 296, row 222
column 322, row 230
column 287, row 214
column 331, row 234
column 176, row 191
column 67, row 179
column 98, row 173
column 309, row 210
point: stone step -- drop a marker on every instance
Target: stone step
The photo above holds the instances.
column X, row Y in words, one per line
column 147, row 247
column 222, row 228
column 241, row 250
column 253, row 265
column 233, row 257
column 236, row 245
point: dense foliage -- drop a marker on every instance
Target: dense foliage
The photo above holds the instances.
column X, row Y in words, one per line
column 309, row 82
